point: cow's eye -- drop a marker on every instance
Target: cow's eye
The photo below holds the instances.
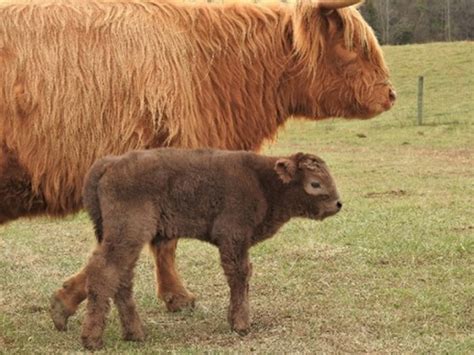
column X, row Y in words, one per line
column 315, row 185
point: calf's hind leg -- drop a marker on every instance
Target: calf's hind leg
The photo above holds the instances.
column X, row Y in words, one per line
column 132, row 328
column 102, row 284
column 67, row 299
column 109, row 274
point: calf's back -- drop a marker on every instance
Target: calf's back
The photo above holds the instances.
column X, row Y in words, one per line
column 197, row 193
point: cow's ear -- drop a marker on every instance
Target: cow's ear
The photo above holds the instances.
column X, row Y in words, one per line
column 286, row 170
column 331, row 22
column 312, row 25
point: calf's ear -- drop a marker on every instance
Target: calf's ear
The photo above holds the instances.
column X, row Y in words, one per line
column 286, row 170
column 310, row 162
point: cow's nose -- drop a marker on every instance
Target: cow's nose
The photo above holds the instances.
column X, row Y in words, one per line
column 339, row 205
column 392, row 95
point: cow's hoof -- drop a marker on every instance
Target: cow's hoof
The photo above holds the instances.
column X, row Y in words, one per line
column 59, row 313
column 92, row 343
column 178, row 302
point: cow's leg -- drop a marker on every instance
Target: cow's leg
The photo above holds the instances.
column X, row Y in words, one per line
column 237, row 269
column 66, row 300
column 170, row 287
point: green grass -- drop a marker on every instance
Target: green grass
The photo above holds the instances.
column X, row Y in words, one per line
column 393, row 272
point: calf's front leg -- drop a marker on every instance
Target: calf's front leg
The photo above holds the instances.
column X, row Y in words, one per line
column 237, row 269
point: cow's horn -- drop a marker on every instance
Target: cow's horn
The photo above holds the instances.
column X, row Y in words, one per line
column 337, row 4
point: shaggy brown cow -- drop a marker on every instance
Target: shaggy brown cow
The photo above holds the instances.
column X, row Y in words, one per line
column 83, row 79
column 232, row 200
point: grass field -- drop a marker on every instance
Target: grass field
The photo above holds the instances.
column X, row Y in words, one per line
column 393, row 272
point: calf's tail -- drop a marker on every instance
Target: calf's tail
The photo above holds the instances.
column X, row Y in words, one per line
column 90, row 195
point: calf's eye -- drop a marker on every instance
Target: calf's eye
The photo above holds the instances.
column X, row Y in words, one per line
column 315, row 185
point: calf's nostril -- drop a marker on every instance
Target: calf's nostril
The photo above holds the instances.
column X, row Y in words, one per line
column 392, row 94
column 339, row 205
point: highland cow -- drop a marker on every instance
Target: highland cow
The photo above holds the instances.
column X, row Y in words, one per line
column 83, row 79
column 232, row 200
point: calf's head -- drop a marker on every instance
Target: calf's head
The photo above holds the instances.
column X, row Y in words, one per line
column 340, row 60
column 310, row 190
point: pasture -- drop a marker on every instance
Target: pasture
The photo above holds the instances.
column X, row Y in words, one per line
column 393, row 272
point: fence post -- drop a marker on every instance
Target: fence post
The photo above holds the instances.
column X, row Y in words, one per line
column 421, row 80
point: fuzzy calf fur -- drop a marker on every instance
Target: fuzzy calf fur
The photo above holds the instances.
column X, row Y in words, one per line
column 232, row 200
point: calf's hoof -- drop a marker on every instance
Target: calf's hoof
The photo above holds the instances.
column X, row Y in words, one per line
column 242, row 331
column 176, row 301
column 138, row 337
column 240, row 326
column 59, row 313
column 92, row 343
column 135, row 335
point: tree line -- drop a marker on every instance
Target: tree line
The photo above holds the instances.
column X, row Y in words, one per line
column 420, row 21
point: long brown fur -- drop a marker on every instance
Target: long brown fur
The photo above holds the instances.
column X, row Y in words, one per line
column 139, row 74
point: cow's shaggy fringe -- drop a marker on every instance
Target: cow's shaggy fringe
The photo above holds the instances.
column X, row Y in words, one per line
column 310, row 45
column 129, row 75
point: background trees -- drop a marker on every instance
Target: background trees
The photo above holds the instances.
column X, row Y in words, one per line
column 420, row 21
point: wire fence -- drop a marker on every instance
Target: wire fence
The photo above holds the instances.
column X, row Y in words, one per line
column 447, row 95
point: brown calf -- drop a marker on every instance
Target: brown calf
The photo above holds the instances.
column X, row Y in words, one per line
column 83, row 79
column 232, row 200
